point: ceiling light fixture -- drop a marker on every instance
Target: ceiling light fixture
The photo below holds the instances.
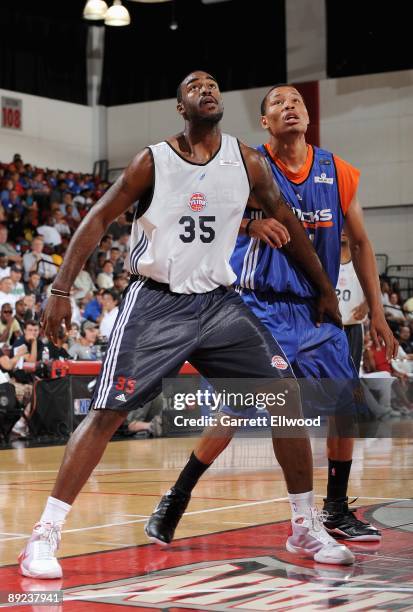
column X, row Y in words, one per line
column 117, row 15
column 95, row 10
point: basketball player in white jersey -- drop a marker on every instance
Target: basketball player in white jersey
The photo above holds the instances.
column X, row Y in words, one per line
column 352, row 302
column 192, row 191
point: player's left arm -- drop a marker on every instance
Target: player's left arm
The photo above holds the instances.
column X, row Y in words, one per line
column 265, row 191
column 364, row 262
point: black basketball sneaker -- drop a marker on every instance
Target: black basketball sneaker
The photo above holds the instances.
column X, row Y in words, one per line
column 341, row 522
column 164, row 519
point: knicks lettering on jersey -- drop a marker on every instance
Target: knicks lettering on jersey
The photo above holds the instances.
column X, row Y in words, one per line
column 313, row 219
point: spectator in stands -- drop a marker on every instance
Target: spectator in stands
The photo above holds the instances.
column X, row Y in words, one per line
column 30, row 341
column 393, row 311
column 16, row 274
column 405, row 339
column 20, row 313
column 120, row 282
column 73, row 334
column 60, row 224
column 28, row 199
column 37, row 261
column 105, row 245
column 67, row 203
column 99, row 255
column 50, row 234
column 110, row 312
column 70, row 218
column 40, row 185
column 7, row 248
column 18, row 187
column 385, row 292
column 123, row 244
column 116, row 259
column 5, row 193
column 105, row 278
column 31, row 307
column 84, row 348
column 147, row 419
column 13, row 203
column 84, row 286
column 27, row 348
column 119, row 227
column 58, row 193
column 70, row 180
column 23, row 391
column 9, row 327
column 375, row 360
column 4, row 266
column 6, row 295
column 407, row 307
column 83, row 202
column 33, row 286
column 93, row 309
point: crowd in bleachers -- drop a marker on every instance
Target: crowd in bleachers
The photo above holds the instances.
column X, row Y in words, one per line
column 40, row 210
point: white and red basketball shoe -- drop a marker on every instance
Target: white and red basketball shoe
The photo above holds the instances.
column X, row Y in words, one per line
column 310, row 539
column 38, row 558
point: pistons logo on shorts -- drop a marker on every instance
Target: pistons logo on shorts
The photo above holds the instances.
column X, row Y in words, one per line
column 197, row 202
column 279, row 362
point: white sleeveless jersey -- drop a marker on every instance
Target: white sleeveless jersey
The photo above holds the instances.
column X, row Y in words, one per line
column 349, row 293
column 186, row 236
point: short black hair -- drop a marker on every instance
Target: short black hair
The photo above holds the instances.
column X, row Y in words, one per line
column 31, row 322
column 115, row 295
column 264, row 100
column 179, row 88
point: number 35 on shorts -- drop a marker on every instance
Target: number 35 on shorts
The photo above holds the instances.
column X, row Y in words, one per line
column 125, row 384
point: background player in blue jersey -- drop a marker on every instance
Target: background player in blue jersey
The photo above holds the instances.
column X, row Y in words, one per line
column 322, row 191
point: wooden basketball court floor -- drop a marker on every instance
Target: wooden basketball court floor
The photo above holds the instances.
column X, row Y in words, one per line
column 229, row 552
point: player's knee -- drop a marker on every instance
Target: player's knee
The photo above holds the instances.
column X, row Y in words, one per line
column 288, row 399
column 106, row 419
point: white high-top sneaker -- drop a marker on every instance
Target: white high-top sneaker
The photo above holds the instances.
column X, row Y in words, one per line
column 310, row 539
column 38, row 558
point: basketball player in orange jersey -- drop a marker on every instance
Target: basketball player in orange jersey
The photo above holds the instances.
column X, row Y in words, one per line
column 321, row 189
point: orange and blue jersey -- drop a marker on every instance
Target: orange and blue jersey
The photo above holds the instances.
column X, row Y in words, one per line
column 319, row 194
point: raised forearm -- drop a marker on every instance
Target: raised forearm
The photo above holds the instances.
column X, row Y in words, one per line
column 364, row 263
column 301, row 250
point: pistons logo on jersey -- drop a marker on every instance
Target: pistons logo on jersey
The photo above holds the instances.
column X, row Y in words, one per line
column 197, row 202
column 279, row 362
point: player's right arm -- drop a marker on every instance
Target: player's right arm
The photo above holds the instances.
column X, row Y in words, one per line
column 132, row 185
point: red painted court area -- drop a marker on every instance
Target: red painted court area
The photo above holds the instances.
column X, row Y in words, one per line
column 241, row 569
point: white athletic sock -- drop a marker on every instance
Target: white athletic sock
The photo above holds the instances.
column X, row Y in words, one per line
column 301, row 503
column 55, row 511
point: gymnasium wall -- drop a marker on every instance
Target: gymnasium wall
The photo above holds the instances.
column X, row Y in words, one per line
column 54, row 134
column 368, row 120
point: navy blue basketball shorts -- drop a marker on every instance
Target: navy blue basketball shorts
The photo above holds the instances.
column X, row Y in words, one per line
column 319, row 356
column 156, row 331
